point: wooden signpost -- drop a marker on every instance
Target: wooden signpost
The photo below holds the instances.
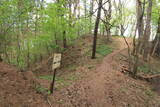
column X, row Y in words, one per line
column 56, row 64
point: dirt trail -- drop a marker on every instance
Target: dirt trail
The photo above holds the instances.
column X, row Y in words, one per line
column 105, row 87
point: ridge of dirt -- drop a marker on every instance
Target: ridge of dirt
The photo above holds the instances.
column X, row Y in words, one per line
column 17, row 88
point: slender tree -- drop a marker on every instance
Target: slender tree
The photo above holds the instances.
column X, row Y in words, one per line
column 156, row 41
column 91, row 12
column 96, row 29
column 108, row 13
column 147, row 32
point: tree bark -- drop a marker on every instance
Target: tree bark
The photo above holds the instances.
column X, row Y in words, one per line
column 28, row 55
column 91, row 12
column 108, row 13
column 64, row 40
column 140, row 26
column 96, row 29
column 147, row 31
column 156, row 42
column 109, row 18
column 1, row 58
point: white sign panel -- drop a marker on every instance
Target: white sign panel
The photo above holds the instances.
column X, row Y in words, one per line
column 56, row 61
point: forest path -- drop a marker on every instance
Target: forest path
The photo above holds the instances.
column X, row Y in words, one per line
column 104, row 87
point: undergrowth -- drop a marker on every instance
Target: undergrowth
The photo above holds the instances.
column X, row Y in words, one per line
column 104, row 50
column 101, row 51
column 60, row 80
column 144, row 68
column 42, row 90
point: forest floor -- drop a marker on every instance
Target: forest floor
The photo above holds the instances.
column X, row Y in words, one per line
column 99, row 82
column 17, row 88
column 106, row 86
column 81, row 82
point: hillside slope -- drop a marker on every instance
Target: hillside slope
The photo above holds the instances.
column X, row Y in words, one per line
column 106, row 86
column 103, row 86
column 17, row 90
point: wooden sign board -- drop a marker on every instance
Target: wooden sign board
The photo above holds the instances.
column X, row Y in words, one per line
column 56, row 61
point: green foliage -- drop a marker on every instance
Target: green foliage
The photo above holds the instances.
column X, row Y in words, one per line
column 61, row 81
column 90, row 66
column 104, row 50
column 72, row 67
column 46, row 77
column 144, row 69
column 42, row 90
column 150, row 93
column 30, row 29
column 155, row 11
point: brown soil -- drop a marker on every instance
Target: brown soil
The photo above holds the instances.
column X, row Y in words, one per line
column 17, row 90
column 107, row 87
column 75, row 55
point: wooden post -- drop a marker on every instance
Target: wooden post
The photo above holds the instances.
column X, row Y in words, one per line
column 53, row 81
column 56, row 64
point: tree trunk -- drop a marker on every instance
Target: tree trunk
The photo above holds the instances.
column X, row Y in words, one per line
column 64, row 40
column 140, row 23
column 147, row 32
column 96, row 29
column 55, row 38
column 70, row 13
column 28, row 55
column 85, row 14
column 156, row 42
column 75, row 8
column 108, row 13
column 109, row 18
column 1, row 58
column 91, row 12
column 85, row 8
column 139, row 27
